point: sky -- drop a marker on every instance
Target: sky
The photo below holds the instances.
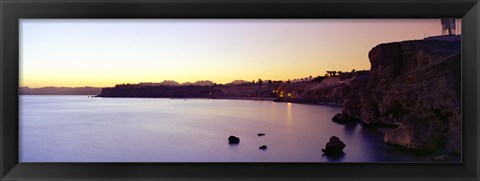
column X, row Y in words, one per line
column 103, row 53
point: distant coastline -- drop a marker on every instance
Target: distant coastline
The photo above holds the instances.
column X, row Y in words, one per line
column 59, row 91
column 320, row 90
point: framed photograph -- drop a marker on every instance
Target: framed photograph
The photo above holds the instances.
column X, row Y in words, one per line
column 239, row 90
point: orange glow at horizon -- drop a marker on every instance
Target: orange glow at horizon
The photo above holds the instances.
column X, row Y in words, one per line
column 103, row 53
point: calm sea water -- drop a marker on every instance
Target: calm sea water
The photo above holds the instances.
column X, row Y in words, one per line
column 85, row 129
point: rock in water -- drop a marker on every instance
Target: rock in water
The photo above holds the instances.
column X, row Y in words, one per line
column 263, row 147
column 233, row 140
column 337, row 118
column 342, row 118
column 334, row 146
column 261, row 134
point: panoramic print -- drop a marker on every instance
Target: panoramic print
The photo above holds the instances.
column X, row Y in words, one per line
column 240, row 90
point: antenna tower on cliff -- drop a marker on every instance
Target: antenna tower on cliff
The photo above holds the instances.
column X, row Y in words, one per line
column 448, row 26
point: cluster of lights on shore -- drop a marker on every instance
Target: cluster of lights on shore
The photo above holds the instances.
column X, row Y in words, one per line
column 282, row 93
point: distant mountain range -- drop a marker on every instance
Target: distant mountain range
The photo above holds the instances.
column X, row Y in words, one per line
column 238, row 82
column 174, row 83
column 165, row 82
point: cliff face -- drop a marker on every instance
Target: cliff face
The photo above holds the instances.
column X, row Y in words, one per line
column 414, row 86
column 351, row 104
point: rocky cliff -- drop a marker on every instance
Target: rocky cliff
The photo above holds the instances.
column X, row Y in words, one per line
column 415, row 87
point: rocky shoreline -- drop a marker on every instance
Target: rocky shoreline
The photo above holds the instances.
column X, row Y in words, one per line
column 415, row 88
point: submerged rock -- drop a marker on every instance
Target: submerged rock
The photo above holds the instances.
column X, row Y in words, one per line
column 334, row 146
column 342, row 118
column 337, row 118
column 261, row 134
column 233, row 140
column 263, row 147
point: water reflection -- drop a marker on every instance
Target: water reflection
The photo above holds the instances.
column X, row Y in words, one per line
column 350, row 128
column 233, row 146
column 289, row 113
column 334, row 157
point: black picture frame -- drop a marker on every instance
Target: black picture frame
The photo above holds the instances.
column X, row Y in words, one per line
column 13, row 10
